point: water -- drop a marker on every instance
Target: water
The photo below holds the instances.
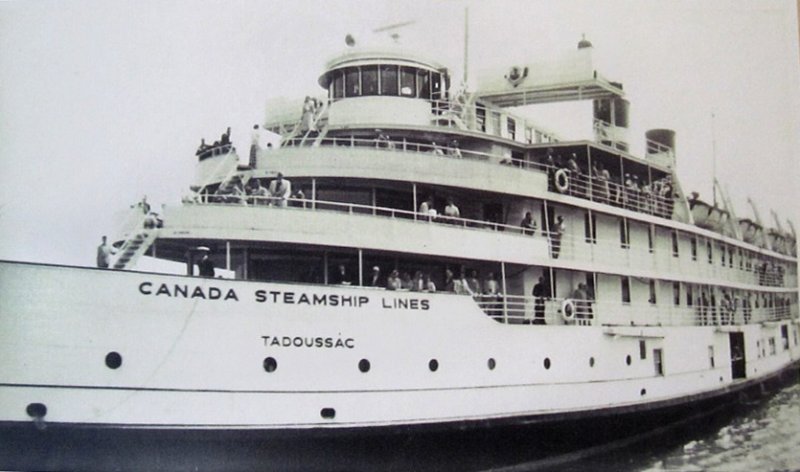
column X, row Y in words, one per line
column 763, row 437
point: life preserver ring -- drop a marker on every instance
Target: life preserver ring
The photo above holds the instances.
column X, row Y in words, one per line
column 568, row 310
column 561, row 180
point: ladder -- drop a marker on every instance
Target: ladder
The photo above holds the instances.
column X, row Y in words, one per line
column 134, row 247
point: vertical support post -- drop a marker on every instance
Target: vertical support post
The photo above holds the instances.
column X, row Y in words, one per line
column 360, row 266
column 590, row 172
column 246, row 263
column 325, row 267
column 414, row 193
column 505, row 293
column 546, row 226
column 374, row 201
column 227, row 255
column 313, row 193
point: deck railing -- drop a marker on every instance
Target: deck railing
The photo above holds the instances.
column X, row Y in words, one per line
column 561, row 311
column 573, row 245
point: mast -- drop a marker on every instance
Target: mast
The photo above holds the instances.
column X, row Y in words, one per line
column 713, row 159
column 466, row 44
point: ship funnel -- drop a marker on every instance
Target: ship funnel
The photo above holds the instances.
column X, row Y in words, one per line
column 661, row 147
column 611, row 121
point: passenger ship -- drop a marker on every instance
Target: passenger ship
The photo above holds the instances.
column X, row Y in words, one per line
column 366, row 323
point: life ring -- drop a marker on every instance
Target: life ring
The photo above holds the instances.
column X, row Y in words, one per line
column 568, row 310
column 561, row 181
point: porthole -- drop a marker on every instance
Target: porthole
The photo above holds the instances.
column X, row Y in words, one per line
column 546, row 362
column 643, row 392
column 628, row 359
column 270, row 364
column 113, row 360
column 591, row 362
column 433, row 365
column 721, row 379
column 363, row 365
column 328, row 413
column 491, row 363
column 36, row 410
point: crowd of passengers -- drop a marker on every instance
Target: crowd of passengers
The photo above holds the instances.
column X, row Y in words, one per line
column 725, row 313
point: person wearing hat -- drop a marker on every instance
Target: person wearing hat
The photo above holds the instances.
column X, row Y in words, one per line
column 375, row 280
column 205, row 267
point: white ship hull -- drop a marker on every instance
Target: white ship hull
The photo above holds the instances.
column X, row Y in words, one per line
column 349, row 362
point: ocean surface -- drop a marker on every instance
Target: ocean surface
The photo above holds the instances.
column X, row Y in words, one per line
column 759, row 437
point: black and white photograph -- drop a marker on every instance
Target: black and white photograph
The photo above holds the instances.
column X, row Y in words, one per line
column 516, row 235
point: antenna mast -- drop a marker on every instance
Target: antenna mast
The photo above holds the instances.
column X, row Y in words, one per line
column 714, row 159
column 466, row 43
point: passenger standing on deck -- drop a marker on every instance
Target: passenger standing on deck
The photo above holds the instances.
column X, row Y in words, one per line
column 555, row 236
column 394, row 282
column 341, row 276
column 528, row 224
column 449, row 283
column 206, row 266
column 255, row 145
column 451, row 211
column 104, row 252
column 280, row 189
column 538, row 302
column 375, row 279
column 426, row 208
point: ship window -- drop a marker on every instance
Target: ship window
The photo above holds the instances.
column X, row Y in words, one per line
column 658, row 362
column 433, row 365
column 772, row 349
column 652, row 298
column 270, row 364
column 352, row 82
column 408, row 84
column 436, row 86
column 36, row 410
column 626, row 290
column 689, row 295
column 547, row 363
column 711, row 356
column 741, row 259
column 710, row 252
column 730, row 257
column 591, row 362
column 675, row 252
column 328, row 413
column 363, row 365
column 480, row 118
column 512, row 128
column 642, row 349
column 693, row 243
column 628, row 359
column 785, row 336
column 643, row 392
column 491, row 363
column 722, row 254
column 389, row 80
column 423, row 84
column 650, row 238
column 369, row 80
column 113, row 360
column 676, row 293
column 494, row 123
column 590, row 227
column 338, row 84
column 624, row 234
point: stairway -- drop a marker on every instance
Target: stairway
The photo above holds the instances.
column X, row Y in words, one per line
column 134, row 248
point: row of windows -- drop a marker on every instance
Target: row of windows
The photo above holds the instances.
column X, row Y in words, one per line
column 390, row 79
column 728, row 254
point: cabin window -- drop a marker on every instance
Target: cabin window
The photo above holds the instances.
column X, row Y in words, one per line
column 711, row 356
column 722, row 254
column 626, row 290
column 785, row 336
column 338, row 84
column 512, row 128
column 675, row 244
column 772, row 349
column 624, row 234
column 494, row 124
column 590, row 227
column 436, row 86
column 369, row 80
column 389, row 80
column 652, row 298
column 651, row 238
column 352, row 82
column 693, row 243
column 480, row 118
column 408, row 84
column 689, row 295
column 658, row 362
column 710, row 252
column 676, row 293
column 730, row 258
column 642, row 349
column 741, row 259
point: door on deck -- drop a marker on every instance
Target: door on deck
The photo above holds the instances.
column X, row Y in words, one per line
column 738, row 370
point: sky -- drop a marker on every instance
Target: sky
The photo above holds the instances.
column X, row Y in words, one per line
column 104, row 102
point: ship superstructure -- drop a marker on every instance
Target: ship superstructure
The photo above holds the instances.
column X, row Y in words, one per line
column 440, row 264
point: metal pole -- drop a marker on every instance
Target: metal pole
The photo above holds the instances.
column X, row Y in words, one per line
column 313, row 194
column 414, row 193
column 227, row 255
column 325, row 267
column 505, row 297
column 360, row 266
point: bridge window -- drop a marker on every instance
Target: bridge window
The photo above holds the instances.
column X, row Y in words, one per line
column 338, row 84
column 389, row 80
column 369, row 80
column 423, row 84
column 436, row 86
column 689, row 295
column 408, row 84
column 352, row 82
